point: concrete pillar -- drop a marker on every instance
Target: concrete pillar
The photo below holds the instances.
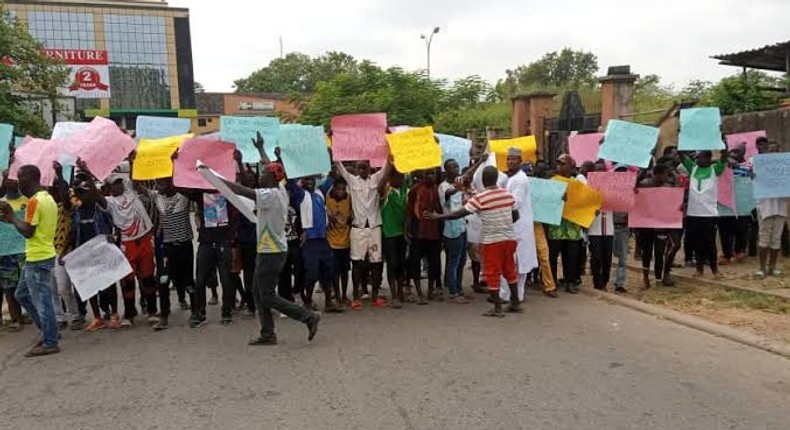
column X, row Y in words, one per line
column 519, row 117
column 617, row 95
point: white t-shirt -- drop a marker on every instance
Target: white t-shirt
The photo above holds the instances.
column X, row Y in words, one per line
column 771, row 207
column 129, row 214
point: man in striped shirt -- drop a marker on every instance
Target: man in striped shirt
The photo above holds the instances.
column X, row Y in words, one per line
column 496, row 208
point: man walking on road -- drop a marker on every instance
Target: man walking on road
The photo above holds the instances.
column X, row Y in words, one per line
column 34, row 291
column 271, row 203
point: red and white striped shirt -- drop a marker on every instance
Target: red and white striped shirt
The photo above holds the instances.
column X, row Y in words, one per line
column 495, row 208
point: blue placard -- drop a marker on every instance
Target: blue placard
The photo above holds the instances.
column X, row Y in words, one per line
column 547, row 203
column 156, row 127
column 6, row 136
column 455, row 148
column 11, row 242
column 771, row 175
column 242, row 129
column 700, row 130
column 744, row 198
column 628, row 143
column 303, row 150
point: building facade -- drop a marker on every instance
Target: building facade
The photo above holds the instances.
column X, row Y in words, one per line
column 128, row 57
column 211, row 106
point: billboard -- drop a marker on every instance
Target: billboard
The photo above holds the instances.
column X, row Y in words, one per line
column 89, row 76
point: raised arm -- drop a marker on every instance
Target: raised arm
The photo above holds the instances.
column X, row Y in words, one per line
column 91, row 182
column 473, row 168
column 258, row 143
column 236, row 188
column 460, row 213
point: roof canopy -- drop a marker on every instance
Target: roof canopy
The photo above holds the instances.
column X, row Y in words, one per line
column 772, row 57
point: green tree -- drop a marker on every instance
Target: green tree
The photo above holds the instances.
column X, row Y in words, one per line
column 744, row 93
column 407, row 98
column 25, row 74
column 297, row 73
column 651, row 95
column 457, row 121
column 555, row 71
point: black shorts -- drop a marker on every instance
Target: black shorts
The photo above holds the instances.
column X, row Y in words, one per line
column 318, row 260
column 342, row 258
column 394, row 249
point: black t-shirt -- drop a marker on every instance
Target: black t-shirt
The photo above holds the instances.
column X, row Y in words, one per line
column 214, row 219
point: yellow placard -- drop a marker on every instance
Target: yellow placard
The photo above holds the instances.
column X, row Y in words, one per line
column 154, row 157
column 582, row 202
column 328, row 141
column 527, row 144
column 415, row 149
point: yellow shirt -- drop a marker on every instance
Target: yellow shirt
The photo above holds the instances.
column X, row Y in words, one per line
column 339, row 231
column 41, row 212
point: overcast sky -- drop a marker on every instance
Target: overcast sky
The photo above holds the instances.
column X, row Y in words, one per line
column 672, row 38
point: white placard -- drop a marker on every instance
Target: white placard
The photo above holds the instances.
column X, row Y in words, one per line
column 243, row 204
column 96, row 265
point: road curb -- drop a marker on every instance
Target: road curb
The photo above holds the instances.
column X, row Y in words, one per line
column 709, row 327
column 715, row 284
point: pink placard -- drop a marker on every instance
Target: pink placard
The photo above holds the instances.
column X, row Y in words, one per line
column 584, row 147
column 102, row 145
column 360, row 137
column 657, row 208
column 37, row 152
column 617, row 189
column 749, row 137
column 727, row 189
column 214, row 153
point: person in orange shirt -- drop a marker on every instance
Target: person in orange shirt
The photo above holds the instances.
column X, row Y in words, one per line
column 338, row 208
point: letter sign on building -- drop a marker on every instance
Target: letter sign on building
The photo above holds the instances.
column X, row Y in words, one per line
column 90, row 73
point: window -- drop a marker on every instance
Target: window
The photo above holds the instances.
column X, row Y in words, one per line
column 202, row 122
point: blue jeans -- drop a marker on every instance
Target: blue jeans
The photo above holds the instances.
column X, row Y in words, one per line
column 456, row 261
column 621, row 236
column 34, row 293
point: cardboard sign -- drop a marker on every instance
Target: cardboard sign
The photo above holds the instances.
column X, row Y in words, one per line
column 659, row 207
column 155, row 157
column 771, row 173
column 547, row 203
column 584, row 147
column 303, row 150
column 156, row 127
column 617, row 189
column 526, row 144
column 101, row 145
column 242, row 130
column 415, row 149
column 360, row 137
column 700, row 130
column 216, row 154
column 582, row 203
column 628, row 143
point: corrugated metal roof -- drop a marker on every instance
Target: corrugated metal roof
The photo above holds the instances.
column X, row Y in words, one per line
column 769, row 57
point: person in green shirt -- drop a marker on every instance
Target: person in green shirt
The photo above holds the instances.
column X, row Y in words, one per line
column 34, row 291
column 702, row 209
column 393, row 194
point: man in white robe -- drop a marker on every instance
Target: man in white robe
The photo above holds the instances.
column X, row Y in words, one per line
column 526, row 255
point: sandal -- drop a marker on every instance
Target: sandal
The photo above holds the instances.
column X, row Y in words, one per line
column 494, row 313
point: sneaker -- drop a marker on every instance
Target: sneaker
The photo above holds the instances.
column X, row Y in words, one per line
column 620, row 290
column 760, row 274
column 380, row 303
column 282, row 317
column 115, row 321
column 126, row 323
column 365, row 296
column 552, row 293
column 160, row 325
column 197, row 322
column 96, row 325
column 184, row 306
column 259, row 341
column 356, row 305
column 78, row 324
column 153, row 320
column 42, row 350
column 227, row 320
column 14, row 326
column 776, row 273
column 312, row 325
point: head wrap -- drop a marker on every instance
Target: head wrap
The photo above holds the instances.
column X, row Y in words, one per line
column 513, row 152
column 276, row 170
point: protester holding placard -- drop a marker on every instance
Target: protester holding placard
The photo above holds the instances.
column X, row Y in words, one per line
column 772, row 214
column 366, row 228
column 34, row 291
column 12, row 252
column 702, row 210
column 733, row 228
column 541, row 170
column 656, row 240
column 566, row 239
column 91, row 220
column 601, row 238
column 137, row 241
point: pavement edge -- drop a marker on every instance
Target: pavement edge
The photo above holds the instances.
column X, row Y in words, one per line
column 700, row 324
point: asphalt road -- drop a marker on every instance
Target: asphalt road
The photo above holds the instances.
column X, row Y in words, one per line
column 571, row 363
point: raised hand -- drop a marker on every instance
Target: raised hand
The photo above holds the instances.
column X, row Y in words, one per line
column 258, row 141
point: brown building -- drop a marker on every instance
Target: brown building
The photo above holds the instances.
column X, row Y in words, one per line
column 211, row 106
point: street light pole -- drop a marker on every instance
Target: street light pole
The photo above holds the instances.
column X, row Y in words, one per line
column 428, row 40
